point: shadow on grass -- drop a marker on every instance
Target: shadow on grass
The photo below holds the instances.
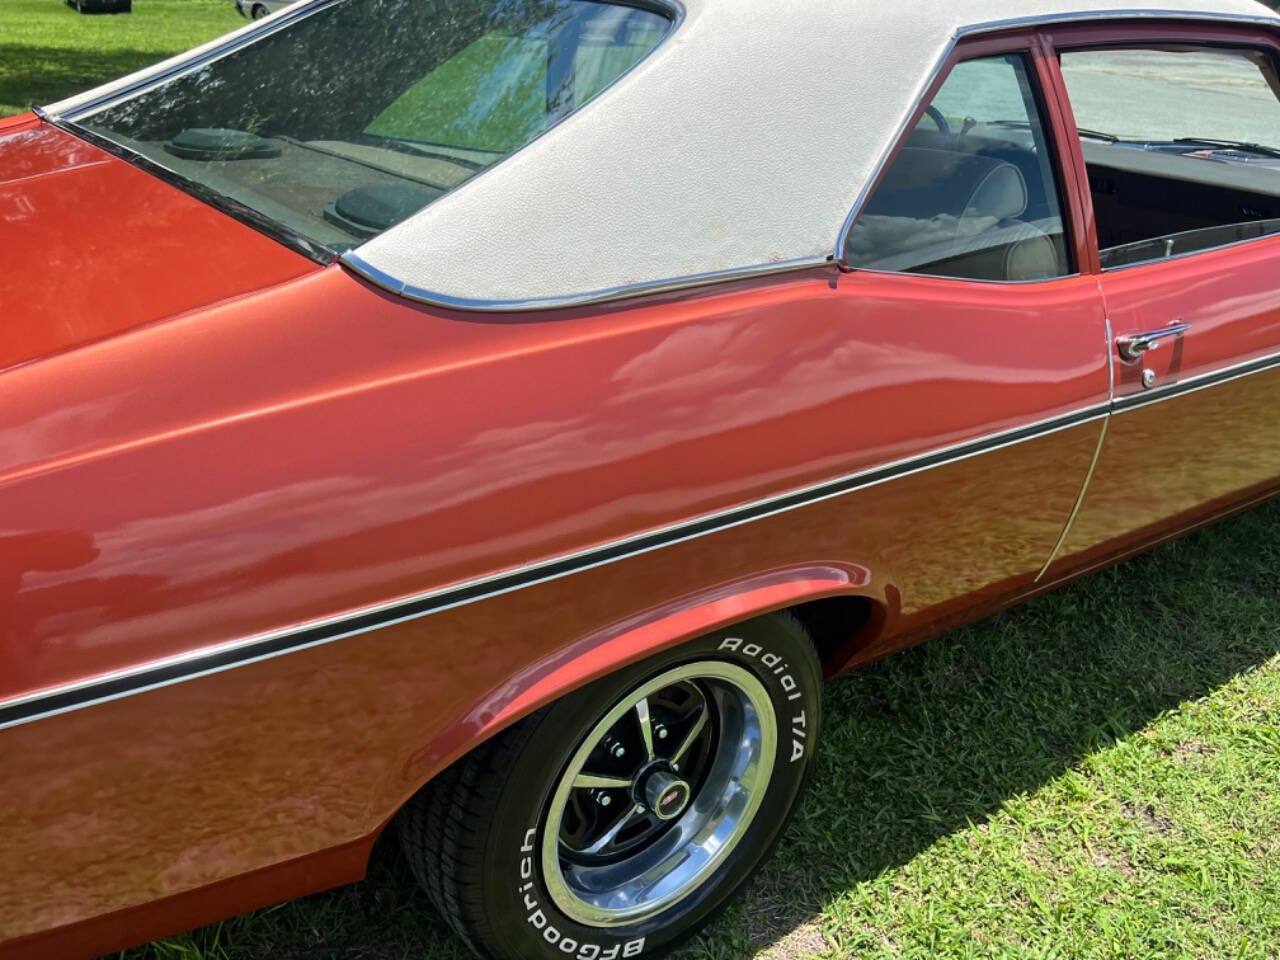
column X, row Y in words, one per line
column 915, row 748
column 921, row 745
column 36, row 75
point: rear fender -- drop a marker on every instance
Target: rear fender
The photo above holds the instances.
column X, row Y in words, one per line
column 624, row 642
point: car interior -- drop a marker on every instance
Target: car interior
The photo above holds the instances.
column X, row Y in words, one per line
column 1162, row 185
column 979, row 199
column 971, row 203
column 1151, row 204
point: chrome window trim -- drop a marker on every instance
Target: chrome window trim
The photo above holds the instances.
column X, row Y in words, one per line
column 673, row 10
column 247, row 215
column 904, row 125
column 353, row 261
column 1076, row 275
column 242, row 651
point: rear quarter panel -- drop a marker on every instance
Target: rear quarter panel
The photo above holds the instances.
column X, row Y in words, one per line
column 322, row 446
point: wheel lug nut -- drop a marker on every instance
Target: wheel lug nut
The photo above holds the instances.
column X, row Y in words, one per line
column 640, row 808
column 614, row 748
column 661, row 731
column 603, row 799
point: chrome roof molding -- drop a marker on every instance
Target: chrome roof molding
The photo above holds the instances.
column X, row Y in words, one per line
column 353, row 262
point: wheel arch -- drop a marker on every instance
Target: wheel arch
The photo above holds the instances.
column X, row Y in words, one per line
column 841, row 606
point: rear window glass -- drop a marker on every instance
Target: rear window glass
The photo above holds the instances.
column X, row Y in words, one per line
column 355, row 117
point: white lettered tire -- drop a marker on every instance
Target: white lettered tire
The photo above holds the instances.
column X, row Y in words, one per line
column 618, row 821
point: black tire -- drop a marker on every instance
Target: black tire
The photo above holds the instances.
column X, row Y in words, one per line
column 257, row 11
column 473, row 835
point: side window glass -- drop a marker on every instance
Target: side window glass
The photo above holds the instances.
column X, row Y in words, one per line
column 973, row 193
column 1182, row 146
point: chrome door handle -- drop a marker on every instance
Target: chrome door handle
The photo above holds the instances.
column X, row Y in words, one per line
column 1134, row 345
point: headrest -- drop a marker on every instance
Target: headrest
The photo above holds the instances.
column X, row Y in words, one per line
column 1001, row 194
column 924, row 182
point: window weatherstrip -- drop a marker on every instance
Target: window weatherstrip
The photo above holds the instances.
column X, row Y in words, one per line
column 219, row 201
column 1174, row 258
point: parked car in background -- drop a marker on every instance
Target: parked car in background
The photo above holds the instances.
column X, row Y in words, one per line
column 257, row 9
column 499, row 417
column 101, row 6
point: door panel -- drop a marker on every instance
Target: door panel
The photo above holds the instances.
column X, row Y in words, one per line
column 1208, row 432
column 1184, row 228
column 1229, row 297
column 978, row 190
column 960, row 352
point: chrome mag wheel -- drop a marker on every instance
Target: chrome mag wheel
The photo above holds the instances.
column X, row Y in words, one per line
column 659, row 793
column 618, row 821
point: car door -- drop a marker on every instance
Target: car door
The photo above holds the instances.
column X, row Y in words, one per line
column 1180, row 142
column 966, row 275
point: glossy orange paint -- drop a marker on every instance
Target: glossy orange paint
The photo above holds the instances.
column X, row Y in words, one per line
column 92, row 246
column 395, row 448
column 1165, row 461
column 316, row 447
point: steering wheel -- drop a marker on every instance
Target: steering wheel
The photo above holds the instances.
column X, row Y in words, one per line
column 934, row 114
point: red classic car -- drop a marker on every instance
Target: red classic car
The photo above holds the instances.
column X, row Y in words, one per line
column 498, row 417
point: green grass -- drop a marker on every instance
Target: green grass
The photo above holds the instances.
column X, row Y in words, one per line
column 1094, row 774
column 48, row 51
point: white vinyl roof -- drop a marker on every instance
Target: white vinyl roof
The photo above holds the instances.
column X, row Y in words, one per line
column 743, row 143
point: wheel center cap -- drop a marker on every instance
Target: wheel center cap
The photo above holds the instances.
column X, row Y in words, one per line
column 666, row 795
